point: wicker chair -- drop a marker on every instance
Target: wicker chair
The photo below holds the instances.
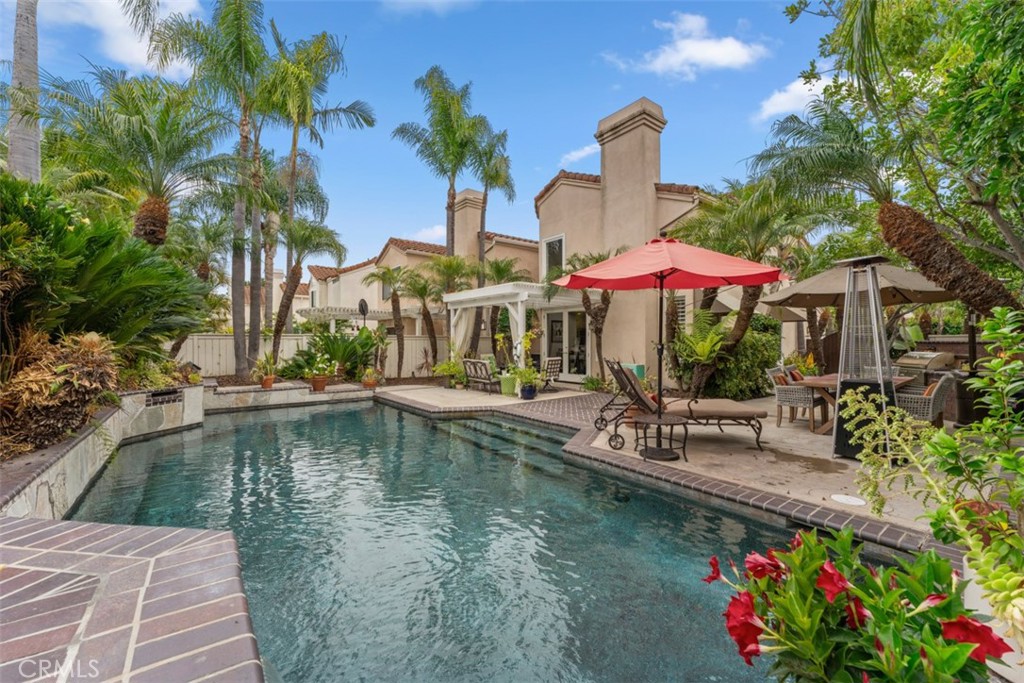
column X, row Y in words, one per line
column 795, row 398
column 927, row 408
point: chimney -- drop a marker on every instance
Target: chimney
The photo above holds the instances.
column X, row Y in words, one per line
column 468, row 205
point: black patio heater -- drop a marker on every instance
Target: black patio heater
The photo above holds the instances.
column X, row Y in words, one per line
column 864, row 349
column 363, row 310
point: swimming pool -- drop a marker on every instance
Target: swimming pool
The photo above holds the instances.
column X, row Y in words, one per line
column 380, row 545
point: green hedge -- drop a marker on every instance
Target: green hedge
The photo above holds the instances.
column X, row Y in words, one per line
column 741, row 376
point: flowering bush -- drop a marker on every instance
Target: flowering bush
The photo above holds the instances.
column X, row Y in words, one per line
column 829, row 618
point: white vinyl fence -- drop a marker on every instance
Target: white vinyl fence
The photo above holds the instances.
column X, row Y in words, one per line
column 215, row 353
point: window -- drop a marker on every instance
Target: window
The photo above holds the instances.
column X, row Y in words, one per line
column 385, row 290
column 681, row 310
column 554, row 254
column 312, row 298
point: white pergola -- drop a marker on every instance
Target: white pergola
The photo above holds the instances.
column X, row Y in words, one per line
column 331, row 314
column 517, row 297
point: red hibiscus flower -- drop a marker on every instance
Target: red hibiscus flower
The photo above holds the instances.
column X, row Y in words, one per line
column 760, row 566
column 966, row 630
column 744, row 626
column 856, row 614
column 716, row 573
column 796, row 542
column 832, row 581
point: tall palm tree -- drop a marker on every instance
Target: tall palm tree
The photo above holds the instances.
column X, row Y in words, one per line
column 828, row 153
column 306, row 238
column 23, row 153
column 493, row 169
column 498, row 272
column 597, row 313
column 393, row 279
column 147, row 135
column 303, row 72
column 425, row 292
column 447, row 141
column 449, row 274
column 229, row 58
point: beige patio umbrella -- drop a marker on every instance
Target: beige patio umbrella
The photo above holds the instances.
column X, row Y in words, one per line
column 897, row 285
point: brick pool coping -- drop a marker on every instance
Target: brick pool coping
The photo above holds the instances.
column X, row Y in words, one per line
column 111, row 602
column 745, row 499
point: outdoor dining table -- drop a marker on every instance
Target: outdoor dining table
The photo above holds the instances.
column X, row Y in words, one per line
column 825, row 385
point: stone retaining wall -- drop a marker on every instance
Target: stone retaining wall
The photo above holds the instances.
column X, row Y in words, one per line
column 234, row 399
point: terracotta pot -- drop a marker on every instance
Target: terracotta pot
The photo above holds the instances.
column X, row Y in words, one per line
column 369, row 384
column 318, row 383
column 267, row 382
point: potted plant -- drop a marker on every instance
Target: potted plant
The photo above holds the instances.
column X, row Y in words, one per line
column 265, row 370
column 319, row 372
column 370, row 379
column 453, row 370
column 529, row 381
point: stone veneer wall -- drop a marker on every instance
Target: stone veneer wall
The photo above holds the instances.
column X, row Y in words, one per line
column 234, row 399
column 45, row 484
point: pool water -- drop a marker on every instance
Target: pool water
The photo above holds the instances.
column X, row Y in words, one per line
column 378, row 545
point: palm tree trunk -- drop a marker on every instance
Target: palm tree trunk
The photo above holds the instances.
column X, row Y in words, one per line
column 748, row 302
column 176, row 347
column 255, row 252
column 270, row 227
column 708, row 297
column 449, row 220
column 481, row 245
column 293, row 175
column 290, row 287
column 814, row 335
column 428, row 321
column 23, row 156
column 151, row 219
column 396, row 314
column 238, row 254
column 918, row 239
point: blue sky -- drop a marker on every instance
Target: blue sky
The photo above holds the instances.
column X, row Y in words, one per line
column 546, row 71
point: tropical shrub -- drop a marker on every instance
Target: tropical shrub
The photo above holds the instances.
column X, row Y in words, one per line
column 829, row 618
column 451, row 368
column 62, row 274
column 806, row 365
column 742, row 376
column 350, row 355
column 54, row 395
column 765, row 323
column 591, row 383
column 972, row 481
column 146, row 373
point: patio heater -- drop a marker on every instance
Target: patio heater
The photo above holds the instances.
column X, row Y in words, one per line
column 864, row 348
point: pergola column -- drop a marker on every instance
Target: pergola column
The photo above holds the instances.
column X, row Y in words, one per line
column 517, row 326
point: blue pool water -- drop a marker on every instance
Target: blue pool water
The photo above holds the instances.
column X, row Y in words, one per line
column 377, row 545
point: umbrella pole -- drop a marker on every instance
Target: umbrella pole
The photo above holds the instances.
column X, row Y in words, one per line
column 661, row 343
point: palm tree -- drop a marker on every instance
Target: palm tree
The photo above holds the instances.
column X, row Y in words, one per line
column 146, row 135
column 425, row 292
column 493, row 169
column 498, row 272
column 393, row 279
column 306, row 238
column 828, row 153
column 303, row 72
column 449, row 274
column 447, row 142
column 597, row 314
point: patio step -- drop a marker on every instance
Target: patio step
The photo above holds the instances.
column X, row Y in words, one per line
column 537, row 454
column 538, row 432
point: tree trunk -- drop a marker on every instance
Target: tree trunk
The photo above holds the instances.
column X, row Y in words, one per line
column 748, row 302
column 701, row 375
column 917, row 238
column 814, row 336
column 151, row 219
column 176, row 347
column 23, row 156
column 293, row 176
column 396, row 314
column 255, row 252
column 290, row 287
column 238, row 253
column 270, row 227
column 708, row 297
column 481, row 246
column 428, row 321
column 449, row 228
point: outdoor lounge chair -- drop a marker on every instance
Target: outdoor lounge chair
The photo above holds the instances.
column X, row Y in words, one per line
column 614, row 411
column 927, row 403
column 794, row 397
column 552, row 369
column 478, row 373
column 719, row 412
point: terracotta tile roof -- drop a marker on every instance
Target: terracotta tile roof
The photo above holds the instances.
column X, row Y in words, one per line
column 323, row 272
column 301, row 290
column 676, row 188
column 492, row 235
column 566, row 175
column 357, row 266
column 412, row 245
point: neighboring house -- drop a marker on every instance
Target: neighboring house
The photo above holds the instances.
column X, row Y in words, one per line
column 300, row 302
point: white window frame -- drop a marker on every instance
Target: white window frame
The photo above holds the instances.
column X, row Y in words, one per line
column 546, row 267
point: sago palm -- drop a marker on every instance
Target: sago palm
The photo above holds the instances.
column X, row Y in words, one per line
column 828, row 153
column 446, row 143
column 493, row 169
column 146, row 135
column 393, row 279
column 306, row 239
column 426, row 293
column 498, row 272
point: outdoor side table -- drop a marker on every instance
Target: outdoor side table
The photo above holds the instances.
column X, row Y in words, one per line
column 666, row 446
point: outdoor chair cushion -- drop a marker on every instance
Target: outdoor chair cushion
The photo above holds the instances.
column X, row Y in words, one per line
column 780, row 380
column 930, row 389
column 796, row 375
column 705, row 408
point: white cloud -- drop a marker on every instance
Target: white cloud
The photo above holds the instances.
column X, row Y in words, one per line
column 438, row 7
column 436, row 233
column 117, row 41
column 793, row 98
column 570, row 158
column 692, row 49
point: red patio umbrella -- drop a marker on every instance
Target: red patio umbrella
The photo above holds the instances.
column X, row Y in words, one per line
column 673, row 264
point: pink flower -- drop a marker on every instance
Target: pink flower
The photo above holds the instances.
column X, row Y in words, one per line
column 832, row 581
column 716, row 572
column 864, row 677
column 967, row 630
column 796, row 542
column 760, row 566
column 933, row 600
column 856, row 614
column 744, row 626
